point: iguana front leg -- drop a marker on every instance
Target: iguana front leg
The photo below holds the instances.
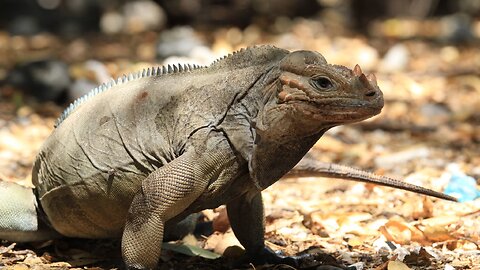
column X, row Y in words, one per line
column 165, row 193
column 248, row 223
column 247, row 220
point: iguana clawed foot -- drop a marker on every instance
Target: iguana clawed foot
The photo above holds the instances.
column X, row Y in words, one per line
column 269, row 256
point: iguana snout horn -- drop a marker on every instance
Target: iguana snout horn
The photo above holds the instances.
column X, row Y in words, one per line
column 368, row 79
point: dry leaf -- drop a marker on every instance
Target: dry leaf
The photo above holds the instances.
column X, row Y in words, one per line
column 397, row 265
column 18, row 267
column 219, row 242
column 190, row 250
column 213, row 240
column 221, row 222
column 401, row 232
column 228, row 239
column 437, row 229
column 424, row 210
column 355, row 242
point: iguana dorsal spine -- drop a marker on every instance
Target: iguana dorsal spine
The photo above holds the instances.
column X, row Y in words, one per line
column 147, row 72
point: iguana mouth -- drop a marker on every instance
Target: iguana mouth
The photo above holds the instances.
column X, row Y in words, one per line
column 338, row 114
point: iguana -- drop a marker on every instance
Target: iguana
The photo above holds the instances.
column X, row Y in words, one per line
column 138, row 155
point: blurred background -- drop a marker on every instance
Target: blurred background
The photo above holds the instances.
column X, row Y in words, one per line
column 95, row 38
column 425, row 54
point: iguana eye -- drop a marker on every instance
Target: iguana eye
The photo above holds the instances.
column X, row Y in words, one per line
column 321, row 83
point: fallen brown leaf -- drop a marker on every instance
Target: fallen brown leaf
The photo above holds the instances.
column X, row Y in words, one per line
column 397, row 265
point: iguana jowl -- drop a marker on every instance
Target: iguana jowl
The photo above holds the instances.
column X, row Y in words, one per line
column 136, row 156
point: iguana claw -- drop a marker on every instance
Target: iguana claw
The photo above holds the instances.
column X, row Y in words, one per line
column 269, row 256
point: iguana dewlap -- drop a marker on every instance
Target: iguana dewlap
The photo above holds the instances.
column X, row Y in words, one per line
column 144, row 152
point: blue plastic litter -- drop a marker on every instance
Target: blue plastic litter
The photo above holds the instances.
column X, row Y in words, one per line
column 463, row 187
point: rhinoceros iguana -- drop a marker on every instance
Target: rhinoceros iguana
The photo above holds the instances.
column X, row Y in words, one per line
column 138, row 155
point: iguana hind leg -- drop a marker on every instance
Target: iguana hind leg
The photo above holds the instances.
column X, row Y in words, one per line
column 165, row 193
column 19, row 220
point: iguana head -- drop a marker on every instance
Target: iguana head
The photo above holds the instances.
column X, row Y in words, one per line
column 311, row 95
column 307, row 96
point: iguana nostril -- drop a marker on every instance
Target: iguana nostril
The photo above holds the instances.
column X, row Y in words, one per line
column 370, row 93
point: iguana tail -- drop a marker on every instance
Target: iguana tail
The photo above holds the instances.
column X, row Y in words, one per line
column 309, row 167
column 19, row 218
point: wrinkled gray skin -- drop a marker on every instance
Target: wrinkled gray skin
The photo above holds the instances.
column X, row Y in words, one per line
column 148, row 152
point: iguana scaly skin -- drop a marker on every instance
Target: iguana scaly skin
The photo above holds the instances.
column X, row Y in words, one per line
column 136, row 156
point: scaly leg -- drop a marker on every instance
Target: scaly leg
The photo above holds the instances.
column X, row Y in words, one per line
column 166, row 193
column 247, row 220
